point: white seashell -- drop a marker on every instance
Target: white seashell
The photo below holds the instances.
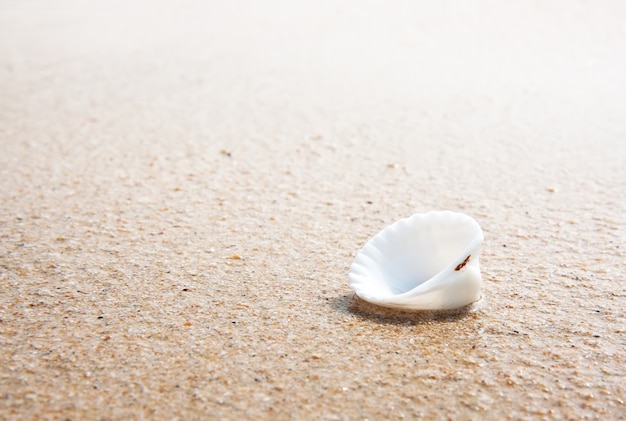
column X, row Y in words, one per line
column 428, row 261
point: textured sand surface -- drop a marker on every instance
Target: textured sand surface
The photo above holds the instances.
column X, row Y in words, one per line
column 184, row 186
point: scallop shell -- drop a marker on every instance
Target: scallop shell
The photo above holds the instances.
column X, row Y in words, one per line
column 428, row 261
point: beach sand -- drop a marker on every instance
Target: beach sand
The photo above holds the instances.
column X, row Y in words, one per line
column 183, row 187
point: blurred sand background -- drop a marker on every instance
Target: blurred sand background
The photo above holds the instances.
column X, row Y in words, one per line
column 183, row 186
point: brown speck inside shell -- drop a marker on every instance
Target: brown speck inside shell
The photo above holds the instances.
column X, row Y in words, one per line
column 462, row 264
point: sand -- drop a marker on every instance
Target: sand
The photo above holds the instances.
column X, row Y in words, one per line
column 183, row 187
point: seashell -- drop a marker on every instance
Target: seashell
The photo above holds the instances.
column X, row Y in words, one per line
column 428, row 261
